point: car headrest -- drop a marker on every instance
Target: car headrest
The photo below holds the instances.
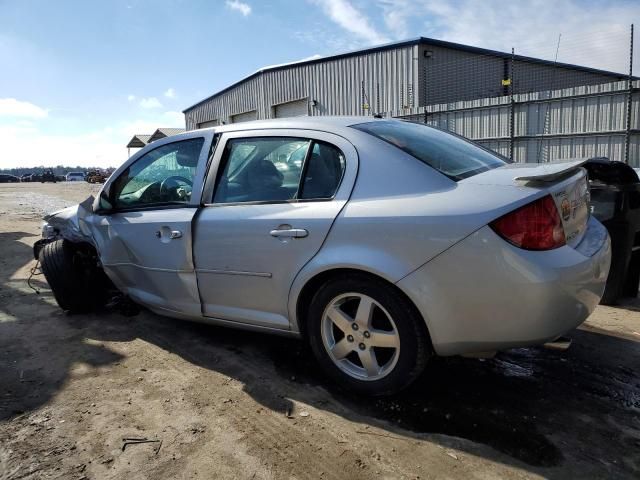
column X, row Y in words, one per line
column 263, row 174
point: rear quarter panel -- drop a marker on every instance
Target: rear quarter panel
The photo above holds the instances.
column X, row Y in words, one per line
column 401, row 214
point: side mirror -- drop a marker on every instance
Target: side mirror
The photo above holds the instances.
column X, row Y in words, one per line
column 104, row 204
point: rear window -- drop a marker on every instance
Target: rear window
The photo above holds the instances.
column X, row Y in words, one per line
column 451, row 155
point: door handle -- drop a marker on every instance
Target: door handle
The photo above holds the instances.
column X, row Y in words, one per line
column 290, row 233
column 172, row 233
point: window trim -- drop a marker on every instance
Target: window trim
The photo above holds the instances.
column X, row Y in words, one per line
column 312, row 142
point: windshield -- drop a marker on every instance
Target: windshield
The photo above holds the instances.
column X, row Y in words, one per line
column 451, row 155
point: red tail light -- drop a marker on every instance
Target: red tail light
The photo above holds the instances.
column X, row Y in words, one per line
column 536, row 226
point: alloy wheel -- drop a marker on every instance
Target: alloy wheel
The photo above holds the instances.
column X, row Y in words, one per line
column 360, row 336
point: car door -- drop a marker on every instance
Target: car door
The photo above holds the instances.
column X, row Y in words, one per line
column 144, row 239
column 271, row 202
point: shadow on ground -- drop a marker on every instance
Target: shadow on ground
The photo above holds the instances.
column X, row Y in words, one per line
column 543, row 408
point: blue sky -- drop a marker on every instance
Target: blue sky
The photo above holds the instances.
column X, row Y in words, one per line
column 79, row 78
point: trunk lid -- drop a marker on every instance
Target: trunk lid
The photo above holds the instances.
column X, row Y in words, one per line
column 565, row 181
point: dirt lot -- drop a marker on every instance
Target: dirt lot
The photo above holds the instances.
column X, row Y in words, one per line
column 230, row 404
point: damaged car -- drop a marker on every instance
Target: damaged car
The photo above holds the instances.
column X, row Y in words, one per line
column 381, row 243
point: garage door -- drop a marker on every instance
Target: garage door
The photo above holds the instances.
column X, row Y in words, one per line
column 244, row 117
column 210, row 123
column 299, row 108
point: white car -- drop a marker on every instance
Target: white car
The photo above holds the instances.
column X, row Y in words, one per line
column 75, row 177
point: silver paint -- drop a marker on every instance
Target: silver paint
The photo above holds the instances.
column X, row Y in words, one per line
column 392, row 216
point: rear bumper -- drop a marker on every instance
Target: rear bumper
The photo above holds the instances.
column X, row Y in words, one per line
column 485, row 294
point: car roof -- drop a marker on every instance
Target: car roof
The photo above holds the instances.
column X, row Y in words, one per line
column 325, row 123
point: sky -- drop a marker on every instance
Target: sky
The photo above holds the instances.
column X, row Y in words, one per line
column 79, row 78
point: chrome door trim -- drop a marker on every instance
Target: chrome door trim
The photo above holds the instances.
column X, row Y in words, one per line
column 152, row 269
column 233, row 272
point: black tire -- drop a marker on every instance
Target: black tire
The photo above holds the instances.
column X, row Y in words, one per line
column 622, row 237
column 415, row 345
column 77, row 284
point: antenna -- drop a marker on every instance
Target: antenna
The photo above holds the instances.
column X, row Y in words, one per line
column 545, row 126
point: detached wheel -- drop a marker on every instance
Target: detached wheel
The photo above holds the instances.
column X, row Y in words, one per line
column 366, row 337
column 70, row 269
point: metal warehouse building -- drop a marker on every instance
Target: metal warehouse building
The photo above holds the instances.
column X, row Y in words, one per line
column 502, row 100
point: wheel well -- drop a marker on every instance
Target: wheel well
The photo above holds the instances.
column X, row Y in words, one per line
column 312, row 286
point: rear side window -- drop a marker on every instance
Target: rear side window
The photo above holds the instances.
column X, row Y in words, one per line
column 323, row 172
column 278, row 169
column 449, row 154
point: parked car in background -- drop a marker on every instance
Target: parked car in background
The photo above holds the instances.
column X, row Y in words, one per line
column 48, row 176
column 386, row 244
column 6, row 178
column 75, row 177
column 26, row 177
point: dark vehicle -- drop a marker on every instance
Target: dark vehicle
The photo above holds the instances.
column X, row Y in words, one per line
column 96, row 176
column 5, row 178
column 615, row 201
column 26, row 177
column 48, row 176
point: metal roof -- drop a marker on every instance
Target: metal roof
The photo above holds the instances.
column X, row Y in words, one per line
column 164, row 132
column 410, row 42
column 138, row 141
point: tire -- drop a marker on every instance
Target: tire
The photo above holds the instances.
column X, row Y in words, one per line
column 392, row 321
column 77, row 284
column 622, row 237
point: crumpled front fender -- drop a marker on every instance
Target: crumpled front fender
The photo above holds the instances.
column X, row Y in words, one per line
column 70, row 223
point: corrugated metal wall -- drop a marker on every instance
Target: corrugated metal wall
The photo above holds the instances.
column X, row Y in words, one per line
column 463, row 92
column 390, row 81
column 580, row 122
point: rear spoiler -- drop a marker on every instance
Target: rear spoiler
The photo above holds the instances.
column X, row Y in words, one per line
column 546, row 172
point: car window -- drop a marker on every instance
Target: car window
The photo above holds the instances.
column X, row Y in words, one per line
column 451, row 155
column 323, row 172
column 163, row 176
column 261, row 169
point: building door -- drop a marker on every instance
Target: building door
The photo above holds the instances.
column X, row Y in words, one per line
column 299, row 108
column 244, row 117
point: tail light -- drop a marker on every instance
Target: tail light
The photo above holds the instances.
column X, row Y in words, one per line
column 536, row 226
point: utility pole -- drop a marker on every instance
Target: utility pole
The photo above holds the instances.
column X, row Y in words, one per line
column 511, row 105
column 627, row 135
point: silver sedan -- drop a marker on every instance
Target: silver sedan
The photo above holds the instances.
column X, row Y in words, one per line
column 380, row 242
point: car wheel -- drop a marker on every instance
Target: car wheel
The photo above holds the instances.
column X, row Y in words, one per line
column 77, row 284
column 367, row 337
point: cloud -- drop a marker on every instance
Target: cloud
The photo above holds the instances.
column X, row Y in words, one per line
column 105, row 147
column 131, row 98
column 239, row 6
column 396, row 14
column 595, row 35
column 345, row 15
column 170, row 93
column 150, row 102
column 12, row 108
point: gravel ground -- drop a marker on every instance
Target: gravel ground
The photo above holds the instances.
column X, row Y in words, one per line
column 220, row 403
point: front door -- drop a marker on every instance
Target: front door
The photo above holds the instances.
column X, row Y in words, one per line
column 145, row 241
column 275, row 198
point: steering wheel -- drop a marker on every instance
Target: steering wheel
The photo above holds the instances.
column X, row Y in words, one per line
column 172, row 182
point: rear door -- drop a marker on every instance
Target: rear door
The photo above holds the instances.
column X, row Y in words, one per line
column 271, row 202
column 145, row 240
